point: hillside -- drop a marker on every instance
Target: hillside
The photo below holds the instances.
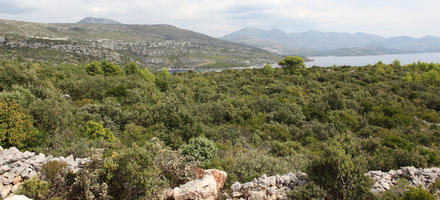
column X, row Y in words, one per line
column 146, row 131
column 156, row 46
column 315, row 43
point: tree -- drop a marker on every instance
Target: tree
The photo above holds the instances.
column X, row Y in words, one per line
column 131, row 68
column 111, row 69
column 16, row 127
column 162, row 80
column 94, row 68
column 268, row 70
column 147, row 75
column 292, row 63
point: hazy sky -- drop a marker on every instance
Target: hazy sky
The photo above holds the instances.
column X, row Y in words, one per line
column 218, row 17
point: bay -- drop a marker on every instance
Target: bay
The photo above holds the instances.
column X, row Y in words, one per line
column 365, row 60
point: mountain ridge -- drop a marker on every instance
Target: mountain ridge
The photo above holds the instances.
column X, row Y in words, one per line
column 95, row 20
column 318, row 43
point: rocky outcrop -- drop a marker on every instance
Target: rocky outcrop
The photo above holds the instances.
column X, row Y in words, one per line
column 266, row 188
column 16, row 167
column 205, row 188
column 416, row 176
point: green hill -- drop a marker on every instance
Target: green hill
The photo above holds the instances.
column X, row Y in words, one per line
column 154, row 45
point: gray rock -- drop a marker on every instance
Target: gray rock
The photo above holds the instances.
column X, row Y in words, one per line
column 247, row 186
column 4, row 168
column 40, row 158
column 269, row 181
column 257, row 195
column 236, row 187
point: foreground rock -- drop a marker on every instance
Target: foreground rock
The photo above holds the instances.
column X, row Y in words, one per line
column 18, row 197
column 268, row 188
column 16, row 167
column 205, row 188
column 416, row 176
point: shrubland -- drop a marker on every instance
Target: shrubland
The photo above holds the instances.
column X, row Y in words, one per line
column 146, row 130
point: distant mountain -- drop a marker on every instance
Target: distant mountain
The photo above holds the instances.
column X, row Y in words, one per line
column 314, row 43
column 93, row 20
column 156, row 46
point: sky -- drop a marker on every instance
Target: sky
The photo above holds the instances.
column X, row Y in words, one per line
column 414, row 18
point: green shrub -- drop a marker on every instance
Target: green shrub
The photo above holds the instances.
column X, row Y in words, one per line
column 340, row 170
column 132, row 172
column 94, row 68
column 201, row 150
column 97, row 130
column 16, row 127
column 34, row 188
column 131, row 68
column 396, row 191
column 435, row 187
column 309, row 191
column 50, row 170
column 417, row 193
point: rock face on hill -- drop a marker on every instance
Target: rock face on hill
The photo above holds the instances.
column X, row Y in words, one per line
column 16, row 167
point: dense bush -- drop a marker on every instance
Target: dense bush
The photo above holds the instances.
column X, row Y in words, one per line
column 340, row 170
column 309, row 191
column 34, row 188
column 16, row 127
column 200, row 150
column 417, row 193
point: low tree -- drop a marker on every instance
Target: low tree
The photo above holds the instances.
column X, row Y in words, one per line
column 131, row 68
column 292, row 63
column 94, row 68
column 111, row 69
column 268, row 70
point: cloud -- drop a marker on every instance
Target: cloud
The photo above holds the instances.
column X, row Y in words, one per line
column 219, row 17
column 11, row 7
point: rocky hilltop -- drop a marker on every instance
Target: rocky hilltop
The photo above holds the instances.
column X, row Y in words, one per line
column 93, row 20
column 154, row 45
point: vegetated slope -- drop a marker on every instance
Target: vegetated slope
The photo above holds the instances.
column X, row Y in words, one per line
column 315, row 43
column 247, row 123
column 153, row 45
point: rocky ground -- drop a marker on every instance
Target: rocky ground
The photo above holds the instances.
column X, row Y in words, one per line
column 16, row 166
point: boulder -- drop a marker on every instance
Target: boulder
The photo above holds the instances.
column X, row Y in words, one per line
column 206, row 188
